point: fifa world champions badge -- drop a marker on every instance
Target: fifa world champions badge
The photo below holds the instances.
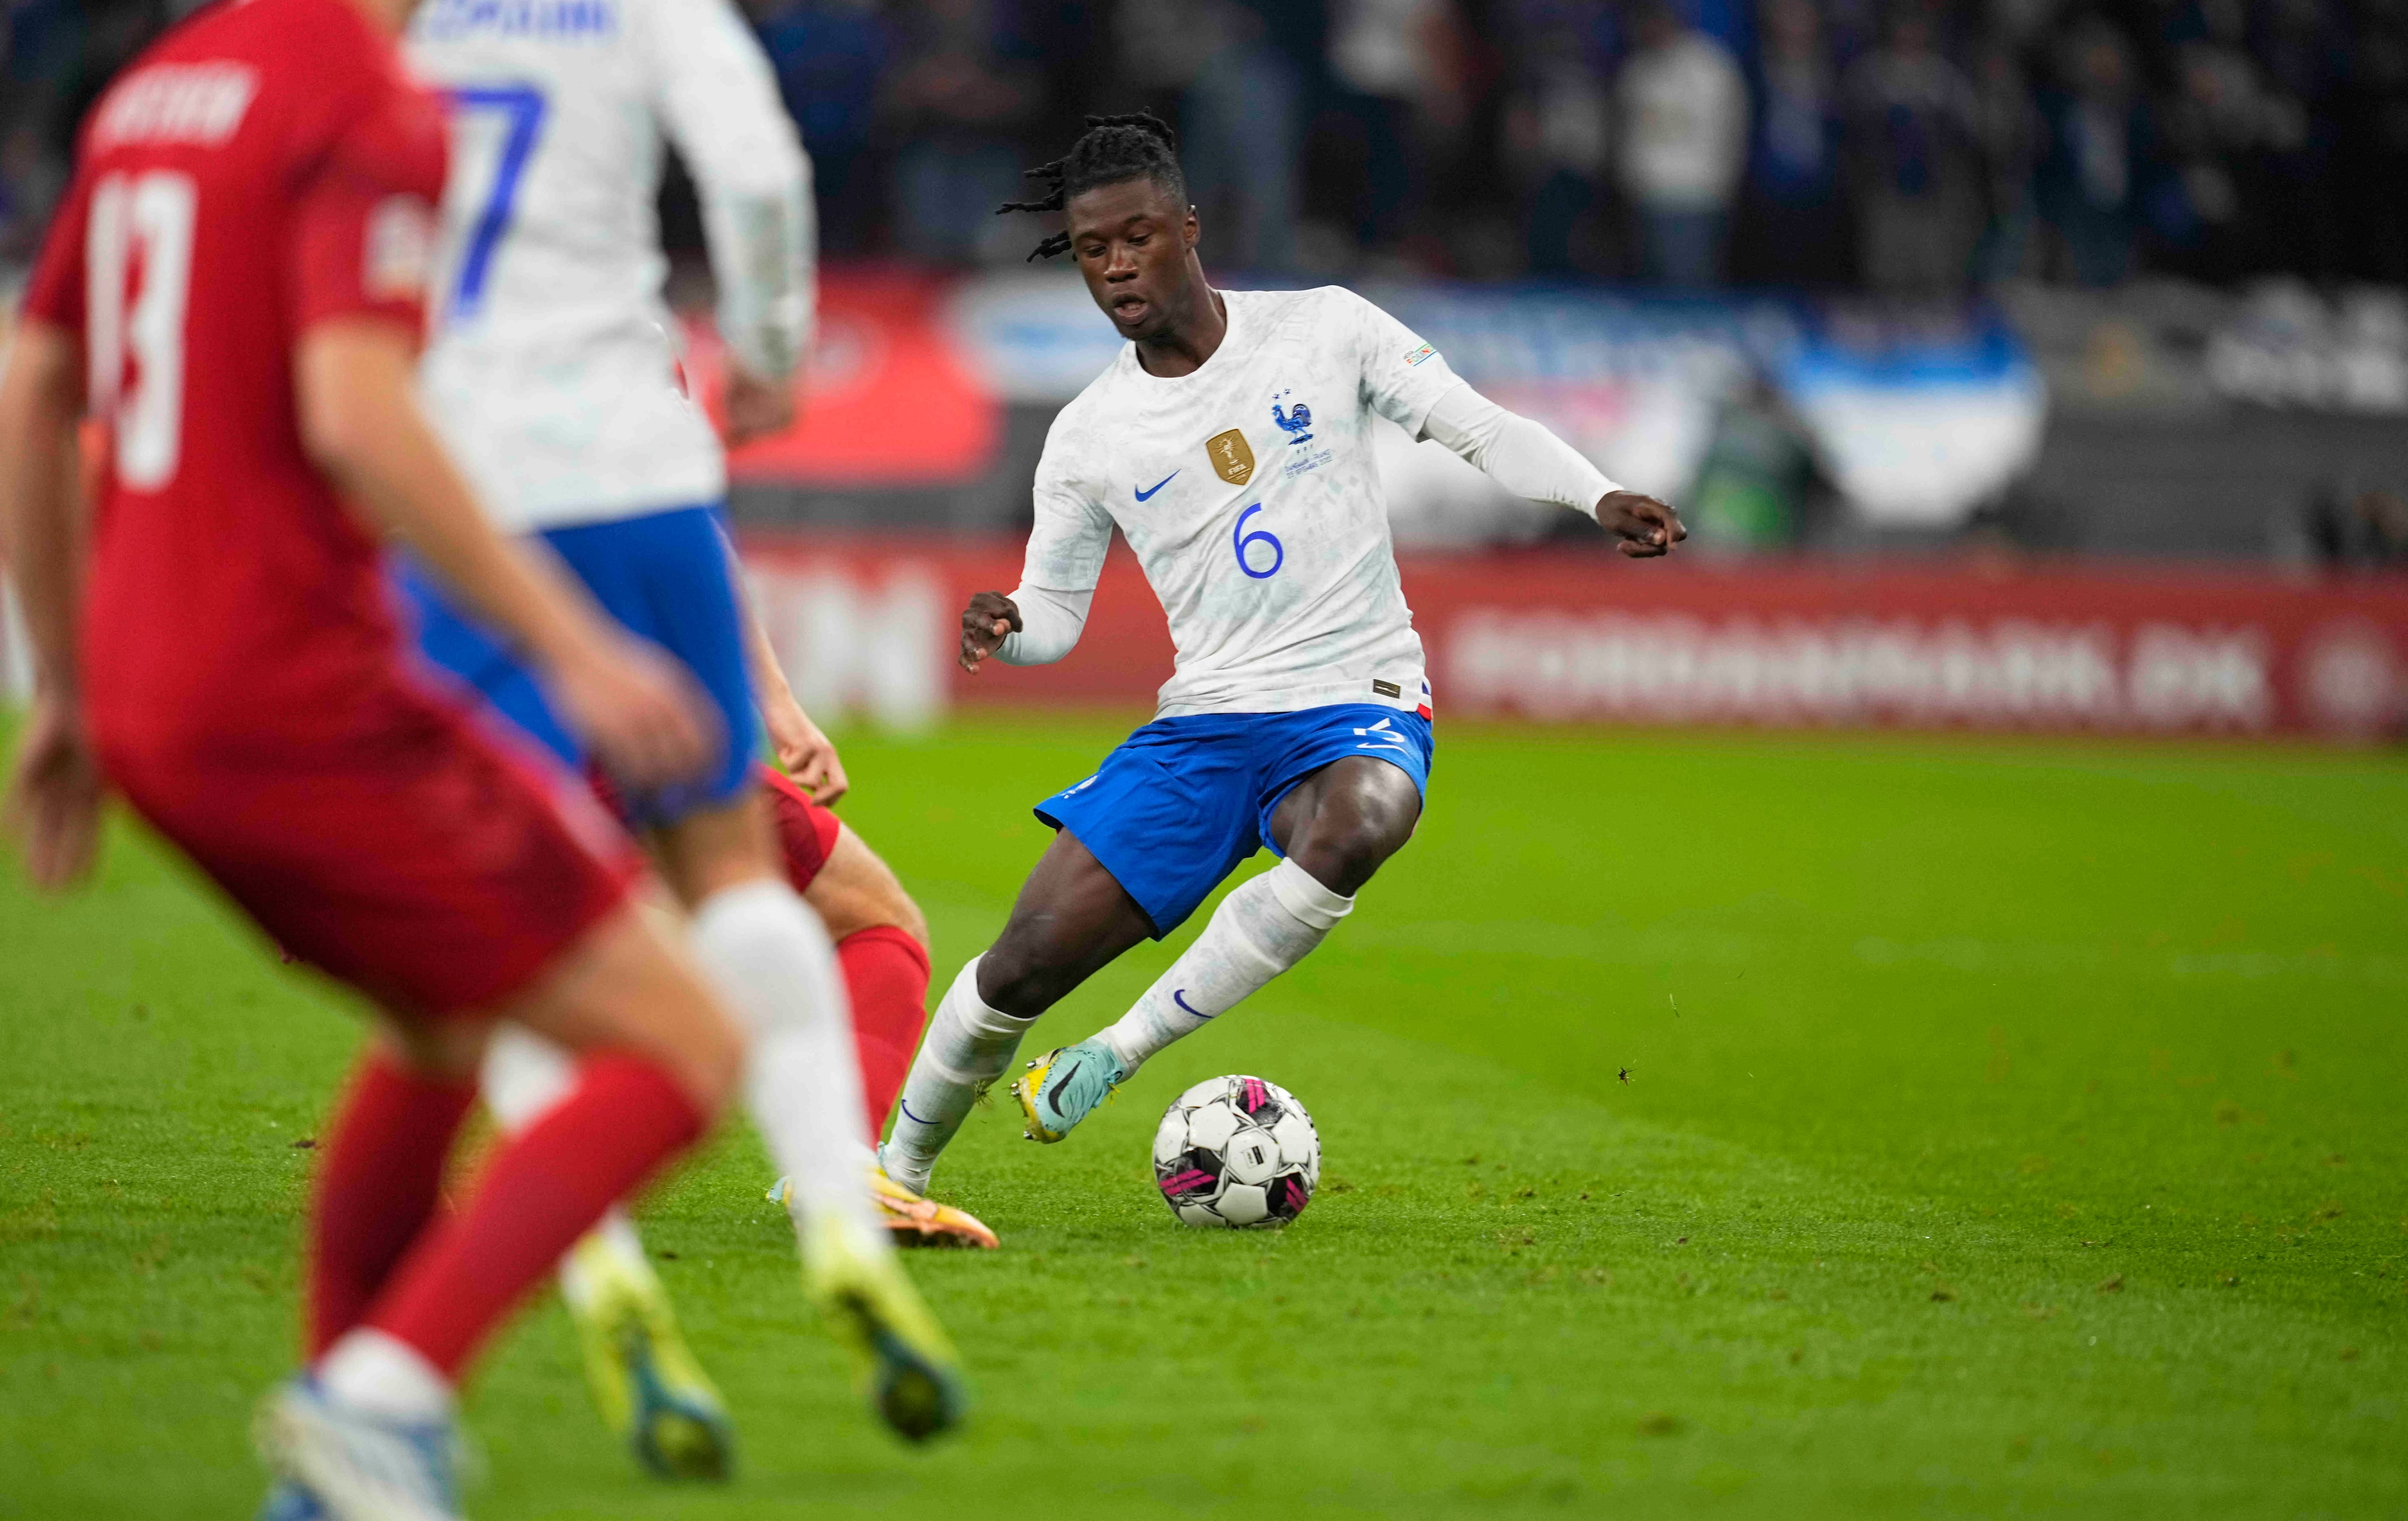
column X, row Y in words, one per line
column 1233, row 458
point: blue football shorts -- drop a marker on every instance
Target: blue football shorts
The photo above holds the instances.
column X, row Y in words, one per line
column 666, row 578
column 1182, row 801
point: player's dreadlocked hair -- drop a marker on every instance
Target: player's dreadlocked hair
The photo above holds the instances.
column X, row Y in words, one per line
column 1112, row 149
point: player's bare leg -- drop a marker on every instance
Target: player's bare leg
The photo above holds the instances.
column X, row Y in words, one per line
column 647, row 1384
column 857, row 891
column 395, row 1316
column 1336, row 828
column 775, row 958
column 882, row 939
column 649, row 1388
column 1344, row 822
column 772, row 960
column 1072, row 920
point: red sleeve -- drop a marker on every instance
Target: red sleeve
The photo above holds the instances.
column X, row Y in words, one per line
column 56, row 293
column 365, row 217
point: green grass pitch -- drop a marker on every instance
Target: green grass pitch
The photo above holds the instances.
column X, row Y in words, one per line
column 2010, row 1128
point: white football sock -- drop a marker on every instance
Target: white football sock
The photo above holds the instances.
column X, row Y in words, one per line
column 383, row 1376
column 770, row 957
column 524, row 1077
column 968, row 1046
column 1262, row 929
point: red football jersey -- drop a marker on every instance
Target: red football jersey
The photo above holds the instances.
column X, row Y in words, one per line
column 266, row 166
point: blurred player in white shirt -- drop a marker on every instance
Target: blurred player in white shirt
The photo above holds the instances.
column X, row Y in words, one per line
column 553, row 379
column 555, row 372
column 1230, row 443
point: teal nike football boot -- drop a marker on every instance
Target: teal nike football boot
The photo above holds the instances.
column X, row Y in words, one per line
column 1065, row 1086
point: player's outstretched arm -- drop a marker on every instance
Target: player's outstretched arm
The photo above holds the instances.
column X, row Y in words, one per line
column 1526, row 459
column 361, row 425
column 53, row 799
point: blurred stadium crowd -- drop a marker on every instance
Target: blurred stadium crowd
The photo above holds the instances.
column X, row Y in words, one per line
column 2014, row 294
column 1910, row 149
column 2115, row 277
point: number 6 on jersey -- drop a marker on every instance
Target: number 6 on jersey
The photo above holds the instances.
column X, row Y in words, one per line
column 1243, row 539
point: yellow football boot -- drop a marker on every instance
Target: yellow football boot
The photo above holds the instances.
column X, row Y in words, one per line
column 645, row 1380
column 910, row 1219
column 906, row 1365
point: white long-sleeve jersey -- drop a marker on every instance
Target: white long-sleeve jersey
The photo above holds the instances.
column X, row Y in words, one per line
column 1249, row 492
column 552, row 373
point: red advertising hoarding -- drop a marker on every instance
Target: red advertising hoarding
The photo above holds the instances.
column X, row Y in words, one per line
column 887, row 399
column 1556, row 636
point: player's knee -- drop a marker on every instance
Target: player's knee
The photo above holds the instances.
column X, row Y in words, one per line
column 1345, row 856
column 909, row 919
column 687, row 1034
column 1017, row 976
column 875, row 906
column 856, row 891
column 1362, row 815
column 1341, row 866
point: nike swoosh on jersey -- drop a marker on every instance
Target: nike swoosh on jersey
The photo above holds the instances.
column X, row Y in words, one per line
column 1147, row 495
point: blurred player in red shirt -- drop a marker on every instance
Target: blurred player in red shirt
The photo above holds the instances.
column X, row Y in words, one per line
column 234, row 287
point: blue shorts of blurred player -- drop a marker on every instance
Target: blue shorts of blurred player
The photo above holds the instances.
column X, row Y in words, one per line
column 1182, row 801
column 665, row 577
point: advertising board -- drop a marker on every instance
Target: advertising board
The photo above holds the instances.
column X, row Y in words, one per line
column 1555, row 636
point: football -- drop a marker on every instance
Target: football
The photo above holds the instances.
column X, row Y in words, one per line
column 1237, row 1151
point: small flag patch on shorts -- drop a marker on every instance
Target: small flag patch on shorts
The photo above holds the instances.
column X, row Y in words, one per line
column 1387, row 689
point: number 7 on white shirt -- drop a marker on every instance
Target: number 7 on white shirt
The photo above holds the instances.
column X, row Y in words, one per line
column 521, row 107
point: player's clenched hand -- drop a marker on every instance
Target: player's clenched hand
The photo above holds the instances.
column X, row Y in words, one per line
column 754, row 407
column 990, row 615
column 1645, row 527
column 808, row 755
column 647, row 723
column 54, row 802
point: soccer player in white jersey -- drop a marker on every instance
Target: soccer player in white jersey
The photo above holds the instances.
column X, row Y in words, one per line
column 553, row 380
column 1230, row 443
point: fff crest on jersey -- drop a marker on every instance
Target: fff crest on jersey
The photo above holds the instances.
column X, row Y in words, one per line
column 1296, row 422
column 1232, row 457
